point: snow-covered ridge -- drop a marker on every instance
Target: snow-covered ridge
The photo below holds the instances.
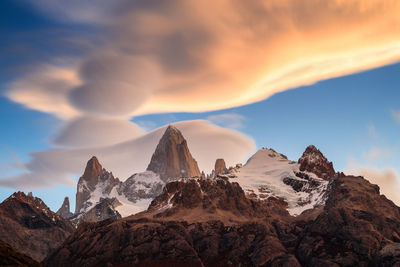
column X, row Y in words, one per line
column 135, row 194
column 268, row 173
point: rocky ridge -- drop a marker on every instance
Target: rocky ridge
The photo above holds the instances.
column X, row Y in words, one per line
column 356, row 227
column 30, row 227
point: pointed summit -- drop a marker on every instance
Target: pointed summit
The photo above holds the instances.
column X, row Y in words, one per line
column 94, row 175
column 314, row 161
column 93, row 169
column 220, row 166
column 64, row 210
column 172, row 158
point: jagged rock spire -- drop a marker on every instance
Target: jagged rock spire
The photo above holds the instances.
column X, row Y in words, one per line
column 64, row 210
column 172, row 158
column 314, row 161
column 220, row 166
column 93, row 175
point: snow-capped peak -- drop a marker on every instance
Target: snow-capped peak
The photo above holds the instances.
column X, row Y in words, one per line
column 270, row 174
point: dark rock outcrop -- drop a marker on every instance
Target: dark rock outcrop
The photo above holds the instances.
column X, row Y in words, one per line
column 220, row 167
column 314, row 161
column 172, row 159
column 355, row 228
column 30, row 227
column 11, row 257
column 194, row 199
column 64, row 210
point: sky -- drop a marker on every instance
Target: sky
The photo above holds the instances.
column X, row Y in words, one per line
column 78, row 79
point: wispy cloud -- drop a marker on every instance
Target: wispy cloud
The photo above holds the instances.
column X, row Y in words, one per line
column 396, row 115
column 377, row 153
column 228, row 120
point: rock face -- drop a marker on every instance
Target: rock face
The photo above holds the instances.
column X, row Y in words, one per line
column 30, row 227
column 159, row 237
column 220, row 167
column 172, row 159
column 314, row 161
column 64, row 210
column 129, row 197
column 11, row 257
column 199, row 199
column 93, row 175
column 356, row 227
column 105, row 209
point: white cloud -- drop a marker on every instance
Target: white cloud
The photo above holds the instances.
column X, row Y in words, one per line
column 95, row 132
column 377, row 153
column 206, row 142
column 228, row 120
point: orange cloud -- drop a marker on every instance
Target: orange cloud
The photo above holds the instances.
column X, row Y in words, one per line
column 189, row 55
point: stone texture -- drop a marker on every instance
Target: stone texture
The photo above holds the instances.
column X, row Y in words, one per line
column 64, row 210
column 314, row 161
column 11, row 257
column 103, row 210
column 30, row 227
column 172, row 159
column 220, row 167
column 356, row 227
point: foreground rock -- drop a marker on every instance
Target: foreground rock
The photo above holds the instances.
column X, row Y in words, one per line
column 356, row 227
column 11, row 257
column 172, row 159
column 30, row 227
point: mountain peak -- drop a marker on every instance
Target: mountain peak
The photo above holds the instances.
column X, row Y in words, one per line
column 314, row 161
column 64, row 210
column 172, row 158
column 93, row 168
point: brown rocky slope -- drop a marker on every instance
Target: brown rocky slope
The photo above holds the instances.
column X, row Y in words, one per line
column 30, row 227
column 356, row 227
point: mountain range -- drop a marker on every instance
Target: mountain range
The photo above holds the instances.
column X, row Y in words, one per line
column 271, row 211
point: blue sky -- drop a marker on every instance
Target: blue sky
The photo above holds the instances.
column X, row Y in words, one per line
column 353, row 119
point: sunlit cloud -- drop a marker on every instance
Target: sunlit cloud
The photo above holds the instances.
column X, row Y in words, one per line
column 173, row 56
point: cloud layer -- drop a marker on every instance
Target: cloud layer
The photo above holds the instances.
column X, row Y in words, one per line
column 189, row 55
column 206, row 142
column 194, row 56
